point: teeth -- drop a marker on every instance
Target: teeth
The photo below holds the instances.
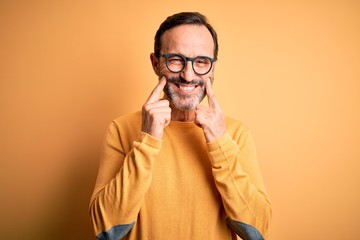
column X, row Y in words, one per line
column 186, row 88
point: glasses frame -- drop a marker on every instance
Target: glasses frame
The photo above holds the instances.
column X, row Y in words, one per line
column 186, row 59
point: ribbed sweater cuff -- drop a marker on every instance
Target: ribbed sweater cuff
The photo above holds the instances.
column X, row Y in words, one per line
column 150, row 140
column 221, row 149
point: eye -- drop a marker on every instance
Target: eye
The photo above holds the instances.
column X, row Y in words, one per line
column 201, row 61
column 176, row 60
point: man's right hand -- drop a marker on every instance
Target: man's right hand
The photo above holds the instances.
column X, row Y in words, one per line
column 156, row 113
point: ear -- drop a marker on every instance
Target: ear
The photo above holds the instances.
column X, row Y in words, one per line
column 213, row 72
column 214, row 65
column 154, row 63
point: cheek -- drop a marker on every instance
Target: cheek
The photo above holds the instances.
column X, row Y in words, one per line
column 211, row 76
column 208, row 76
column 162, row 67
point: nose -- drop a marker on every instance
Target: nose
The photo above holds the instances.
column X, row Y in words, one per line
column 188, row 72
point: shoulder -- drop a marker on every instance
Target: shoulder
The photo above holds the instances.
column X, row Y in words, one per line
column 237, row 129
column 129, row 123
column 128, row 118
column 124, row 129
column 235, row 125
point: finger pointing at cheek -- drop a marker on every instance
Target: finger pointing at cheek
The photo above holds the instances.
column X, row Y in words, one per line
column 155, row 94
column 211, row 119
column 156, row 113
column 213, row 103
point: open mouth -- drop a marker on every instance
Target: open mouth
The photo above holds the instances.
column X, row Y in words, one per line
column 186, row 88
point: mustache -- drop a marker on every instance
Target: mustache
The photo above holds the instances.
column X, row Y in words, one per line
column 180, row 80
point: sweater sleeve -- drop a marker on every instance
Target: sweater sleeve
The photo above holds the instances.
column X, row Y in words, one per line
column 122, row 182
column 238, row 179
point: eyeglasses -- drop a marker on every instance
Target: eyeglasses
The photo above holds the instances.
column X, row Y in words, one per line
column 177, row 62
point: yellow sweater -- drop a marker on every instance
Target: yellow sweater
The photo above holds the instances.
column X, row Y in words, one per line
column 180, row 187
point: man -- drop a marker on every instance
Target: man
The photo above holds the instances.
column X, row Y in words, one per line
column 177, row 169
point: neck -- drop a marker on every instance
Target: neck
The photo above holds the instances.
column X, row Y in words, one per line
column 182, row 115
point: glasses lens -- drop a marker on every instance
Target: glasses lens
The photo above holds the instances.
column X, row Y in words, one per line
column 175, row 63
column 202, row 65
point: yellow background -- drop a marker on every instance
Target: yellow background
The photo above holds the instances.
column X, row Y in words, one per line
column 290, row 70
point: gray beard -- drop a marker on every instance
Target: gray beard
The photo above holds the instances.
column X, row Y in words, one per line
column 183, row 101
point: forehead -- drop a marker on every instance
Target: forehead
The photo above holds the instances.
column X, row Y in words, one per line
column 190, row 40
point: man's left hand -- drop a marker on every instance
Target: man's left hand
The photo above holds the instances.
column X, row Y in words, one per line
column 211, row 119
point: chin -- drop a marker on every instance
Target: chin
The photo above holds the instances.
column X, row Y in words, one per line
column 186, row 104
column 187, row 107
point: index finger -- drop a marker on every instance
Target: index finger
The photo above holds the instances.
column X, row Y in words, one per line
column 155, row 94
column 213, row 103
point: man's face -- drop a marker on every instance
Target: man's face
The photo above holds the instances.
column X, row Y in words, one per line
column 186, row 89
